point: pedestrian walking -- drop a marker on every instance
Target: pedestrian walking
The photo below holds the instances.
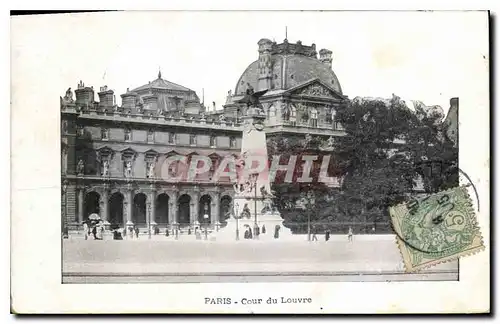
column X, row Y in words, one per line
column 327, row 235
column 94, row 232
column 315, row 232
column 86, row 230
column 349, row 234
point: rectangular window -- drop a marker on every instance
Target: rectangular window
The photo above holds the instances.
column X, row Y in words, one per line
column 232, row 142
column 104, row 134
column 192, row 139
column 128, row 134
column 151, row 136
column 171, row 138
column 213, row 141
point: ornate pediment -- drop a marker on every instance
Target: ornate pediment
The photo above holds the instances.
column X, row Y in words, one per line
column 128, row 153
column 151, row 152
column 315, row 88
column 105, row 151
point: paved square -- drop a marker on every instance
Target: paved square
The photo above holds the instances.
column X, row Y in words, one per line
column 196, row 261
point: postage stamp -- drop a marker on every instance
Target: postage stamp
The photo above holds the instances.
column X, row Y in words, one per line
column 436, row 229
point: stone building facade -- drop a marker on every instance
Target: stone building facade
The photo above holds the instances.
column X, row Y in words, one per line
column 112, row 156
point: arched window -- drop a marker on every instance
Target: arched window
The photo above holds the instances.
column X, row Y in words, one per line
column 272, row 111
column 314, row 117
column 293, row 115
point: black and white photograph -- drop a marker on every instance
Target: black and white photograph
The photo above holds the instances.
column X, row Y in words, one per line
column 260, row 148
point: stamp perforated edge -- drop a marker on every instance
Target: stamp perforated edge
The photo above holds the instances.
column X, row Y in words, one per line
column 403, row 247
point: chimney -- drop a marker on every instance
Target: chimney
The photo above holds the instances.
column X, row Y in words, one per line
column 265, row 64
column 150, row 103
column 128, row 99
column 213, row 103
column 84, row 95
column 106, row 97
column 325, row 56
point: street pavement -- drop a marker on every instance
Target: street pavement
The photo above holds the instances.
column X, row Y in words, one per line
column 368, row 258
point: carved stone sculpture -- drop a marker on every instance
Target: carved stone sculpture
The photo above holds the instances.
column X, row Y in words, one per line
column 105, row 168
column 128, row 169
column 151, row 170
column 80, row 167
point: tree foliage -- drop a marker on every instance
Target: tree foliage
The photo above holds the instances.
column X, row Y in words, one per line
column 386, row 147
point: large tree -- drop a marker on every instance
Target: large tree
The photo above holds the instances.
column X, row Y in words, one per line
column 299, row 202
column 387, row 147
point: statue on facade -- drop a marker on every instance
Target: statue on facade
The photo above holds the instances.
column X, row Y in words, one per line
column 80, row 167
column 151, row 170
column 128, row 169
column 105, row 168
column 68, row 98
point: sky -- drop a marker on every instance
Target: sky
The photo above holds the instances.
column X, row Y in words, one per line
column 427, row 56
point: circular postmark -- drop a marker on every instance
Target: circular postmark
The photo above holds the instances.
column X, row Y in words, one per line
column 441, row 224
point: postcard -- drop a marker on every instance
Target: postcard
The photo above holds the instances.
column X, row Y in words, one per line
column 250, row 162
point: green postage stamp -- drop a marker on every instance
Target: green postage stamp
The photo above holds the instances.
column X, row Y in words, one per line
column 436, row 229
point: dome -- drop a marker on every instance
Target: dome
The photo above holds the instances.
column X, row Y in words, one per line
column 291, row 66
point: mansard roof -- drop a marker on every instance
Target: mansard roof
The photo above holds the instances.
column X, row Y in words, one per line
column 161, row 84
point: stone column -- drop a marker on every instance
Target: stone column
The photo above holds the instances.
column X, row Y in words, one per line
column 195, row 206
column 80, row 205
column 105, row 201
column 128, row 206
column 173, row 217
column 64, row 210
column 216, row 211
column 152, row 198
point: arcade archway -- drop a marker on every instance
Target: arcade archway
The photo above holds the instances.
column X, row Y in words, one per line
column 205, row 208
column 161, row 213
column 139, row 209
column 184, row 209
column 116, row 209
column 91, row 204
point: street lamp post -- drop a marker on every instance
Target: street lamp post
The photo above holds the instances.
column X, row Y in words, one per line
column 253, row 184
column 65, row 210
column 149, row 220
column 236, row 217
column 309, row 205
column 205, row 217
column 255, row 226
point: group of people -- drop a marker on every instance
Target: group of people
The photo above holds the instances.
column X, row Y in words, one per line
column 249, row 234
column 93, row 229
column 327, row 235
